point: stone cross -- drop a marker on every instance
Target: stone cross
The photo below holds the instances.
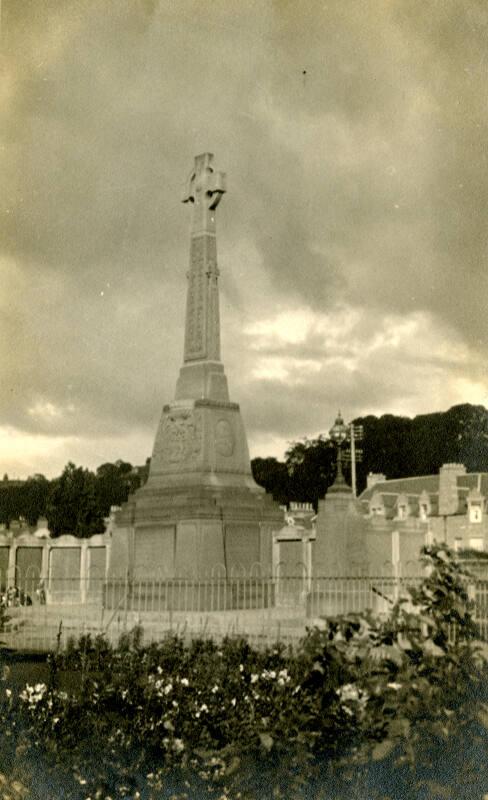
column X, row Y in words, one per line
column 205, row 189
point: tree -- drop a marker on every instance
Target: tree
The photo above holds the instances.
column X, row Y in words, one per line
column 402, row 447
column 10, row 503
column 72, row 505
column 33, row 498
column 114, row 482
column 311, row 469
column 397, row 446
column 272, row 475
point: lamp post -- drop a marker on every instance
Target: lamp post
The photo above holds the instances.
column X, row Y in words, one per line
column 338, row 433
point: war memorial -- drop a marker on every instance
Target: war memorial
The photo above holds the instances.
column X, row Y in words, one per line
column 200, row 507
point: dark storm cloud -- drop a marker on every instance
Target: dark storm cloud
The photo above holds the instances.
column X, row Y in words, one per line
column 354, row 137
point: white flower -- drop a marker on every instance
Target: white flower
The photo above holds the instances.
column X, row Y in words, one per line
column 33, row 694
column 203, row 707
column 233, row 701
column 167, row 689
column 185, row 682
column 254, row 677
column 241, row 668
column 348, row 692
column 178, row 745
column 395, row 686
column 8, row 692
column 215, row 689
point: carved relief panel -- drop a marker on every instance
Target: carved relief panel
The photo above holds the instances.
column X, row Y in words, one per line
column 180, row 438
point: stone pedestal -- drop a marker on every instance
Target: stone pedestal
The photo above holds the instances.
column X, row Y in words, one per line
column 331, row 550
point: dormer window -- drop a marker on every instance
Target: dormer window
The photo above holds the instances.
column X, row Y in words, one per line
column 475, row 512
column 376, row 506
column 424, row 506
column 475, row 503
column 402, row 508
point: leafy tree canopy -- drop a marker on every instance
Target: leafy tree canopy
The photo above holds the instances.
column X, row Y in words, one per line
column 393, row 445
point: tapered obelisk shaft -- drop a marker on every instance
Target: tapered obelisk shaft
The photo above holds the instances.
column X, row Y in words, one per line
column 202, row 374
column 202, row 329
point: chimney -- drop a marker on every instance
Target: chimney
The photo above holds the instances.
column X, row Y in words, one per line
column 373, row 478
column 448, row 489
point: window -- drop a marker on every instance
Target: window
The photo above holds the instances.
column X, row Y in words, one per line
column 475, row 512
column 458, row 544
column 402, row 511
column 424, row 511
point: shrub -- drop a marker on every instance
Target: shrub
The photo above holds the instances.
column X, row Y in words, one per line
column 393, row 709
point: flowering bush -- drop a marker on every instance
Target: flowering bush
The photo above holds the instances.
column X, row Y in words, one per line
column 363, row 709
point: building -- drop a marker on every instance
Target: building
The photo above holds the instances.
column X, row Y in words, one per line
column 384, row 529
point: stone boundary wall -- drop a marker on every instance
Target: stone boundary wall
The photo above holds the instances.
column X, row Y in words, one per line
column 52, row 569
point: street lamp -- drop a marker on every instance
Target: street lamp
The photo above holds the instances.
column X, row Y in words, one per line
column 339, row 433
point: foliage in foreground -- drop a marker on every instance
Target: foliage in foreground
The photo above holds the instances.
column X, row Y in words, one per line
column 386, row 710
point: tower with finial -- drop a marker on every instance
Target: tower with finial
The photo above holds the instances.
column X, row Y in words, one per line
column 200, row 506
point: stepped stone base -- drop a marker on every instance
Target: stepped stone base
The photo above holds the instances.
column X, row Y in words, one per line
column 190, row 531
column 201, row 509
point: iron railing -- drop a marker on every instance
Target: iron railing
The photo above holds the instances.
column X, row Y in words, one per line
column 264, row 608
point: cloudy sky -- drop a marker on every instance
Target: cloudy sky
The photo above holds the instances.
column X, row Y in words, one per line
column 352, row 240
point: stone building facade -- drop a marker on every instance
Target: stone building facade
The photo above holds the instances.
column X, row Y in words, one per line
column 384, row 529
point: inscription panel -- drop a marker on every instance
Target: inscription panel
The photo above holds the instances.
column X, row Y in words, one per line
column 28, row 562
column 195, row 345
column 202, row 331
column 224, row 438
column 154, row 552
column 64, row 570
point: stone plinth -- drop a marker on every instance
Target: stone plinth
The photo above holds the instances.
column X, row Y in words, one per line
column 331, row 556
